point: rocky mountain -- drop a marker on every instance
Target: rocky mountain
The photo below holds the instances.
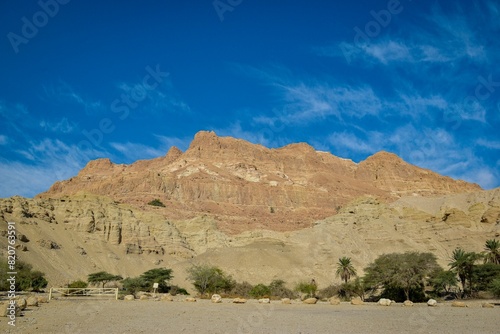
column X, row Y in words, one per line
column 245, row 186
column 258, row 213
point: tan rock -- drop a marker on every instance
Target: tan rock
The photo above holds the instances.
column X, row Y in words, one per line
column 239, row 300
column 310, row 301
column 216, row 299
column 286, row 301
column 8, row 309
column 407, row 303
column 143, row 297
column 385, row 302
column 167, row 298
column 190, row 300
column 32, row 301
column 129, row 297
column 357, row 301
column 264, row 301
column 458, row 304
column 42, row 299
column 432, row 302
column 21, row 303
column 334, row 301
column 487, row 305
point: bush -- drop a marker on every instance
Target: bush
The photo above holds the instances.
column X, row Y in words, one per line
column 260, row 291
column 175, row 290
column 134, row 285
column 157, row 275
column 210, row 279
column 241, row 290
column 27, row 279
column 308, row 288
column 330, row 291
column 279, row 290
column 78, row 285
column 156, row 202
column 495, row 287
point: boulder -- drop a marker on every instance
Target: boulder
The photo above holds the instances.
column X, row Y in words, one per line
column 487, row 305
column 310, row 301
column 334, row 301
column 42, row 299
column 356, row 301
column 7, row 309
column 21, row 303
column 190, row 299
column 432, row 302
column 128, row 297
column 458, row 304
column 264, row 301
column 286, row 301
column 143, row 297
column 32, row 301
column 239, row 300
column 216, row 299
column 167, row 298
column 407, row 303
column 385, row 302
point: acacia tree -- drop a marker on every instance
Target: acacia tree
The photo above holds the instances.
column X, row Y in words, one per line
column 345, row 269
column 209, row 279
column 103, row 277
column 404, row 271
column 158, row 275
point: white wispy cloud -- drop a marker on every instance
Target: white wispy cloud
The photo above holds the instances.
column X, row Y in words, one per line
column 62, row 92
column 51, row 160
column 3, row 140
column 62, row 126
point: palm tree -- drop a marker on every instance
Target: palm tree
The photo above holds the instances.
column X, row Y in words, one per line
column 345, row 269
column 492, row 251
column 463, row 264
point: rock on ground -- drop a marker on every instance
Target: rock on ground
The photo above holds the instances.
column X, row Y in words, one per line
column 310, row 301
column 334, row 301
column 384, row 302
column 357, row 301
column 432, row 302
column 216, row 298
column 128, row 297
column 239, row 300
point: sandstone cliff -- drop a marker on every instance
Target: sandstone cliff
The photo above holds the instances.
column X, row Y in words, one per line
column 245, row 186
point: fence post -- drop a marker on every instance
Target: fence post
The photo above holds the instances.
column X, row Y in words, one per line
column 116, row 293
column 50, row 294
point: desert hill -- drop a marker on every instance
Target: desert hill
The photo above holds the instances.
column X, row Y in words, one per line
column 258, row 213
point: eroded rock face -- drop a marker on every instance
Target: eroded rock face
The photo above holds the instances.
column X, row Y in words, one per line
column 235, row 180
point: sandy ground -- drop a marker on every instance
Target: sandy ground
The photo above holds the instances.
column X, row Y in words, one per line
column 147, row 316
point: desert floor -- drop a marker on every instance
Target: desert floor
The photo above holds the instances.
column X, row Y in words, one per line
column 147, row 316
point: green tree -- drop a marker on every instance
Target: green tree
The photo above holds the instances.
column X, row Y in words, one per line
column 443, row 281
column 492, row 251
column 160, row 276
column 407, row 271
column 278, row 289
column 103, row 277
column 355, row 288
column 209, row 279
column 345, row 269
column 134, row 284
column 27, row 279
column 483, row 275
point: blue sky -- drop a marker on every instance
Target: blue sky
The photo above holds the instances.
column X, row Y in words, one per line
column 128, row 79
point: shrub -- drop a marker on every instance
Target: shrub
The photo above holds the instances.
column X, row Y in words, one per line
column 260, row 290
column 27, row 279
column 241, row 290
column 134, row 284
column 308, row 288
column 78, row 285
column 157, row 275
column 176, row 290
column 156, row 202
column 210, row 279
column 495, row 287
column 330, row 291
column 279, row 290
